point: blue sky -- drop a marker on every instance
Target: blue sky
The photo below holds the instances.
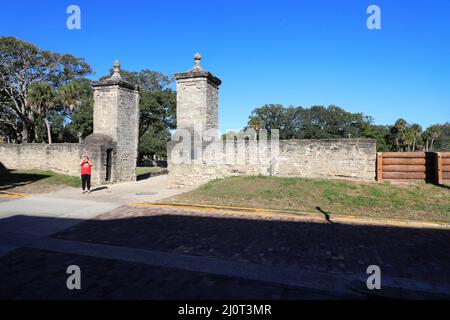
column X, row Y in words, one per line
column 289, row 52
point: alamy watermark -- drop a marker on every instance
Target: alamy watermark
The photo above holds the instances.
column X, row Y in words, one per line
column 374, row 280
column 248, row 146
column 374, row 20
column 74, row 280
column 73, row 22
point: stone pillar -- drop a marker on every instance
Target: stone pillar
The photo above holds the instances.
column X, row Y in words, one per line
column 116, row 115
column 197, row 99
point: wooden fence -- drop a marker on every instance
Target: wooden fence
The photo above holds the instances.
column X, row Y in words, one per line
column 413, row 166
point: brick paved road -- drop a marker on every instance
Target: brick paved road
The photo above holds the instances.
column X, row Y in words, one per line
column 341, row 248
column 37, row 274
column 417, row 254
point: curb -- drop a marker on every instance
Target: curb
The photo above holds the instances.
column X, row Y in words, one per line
column 13, row 195
column 296, row 215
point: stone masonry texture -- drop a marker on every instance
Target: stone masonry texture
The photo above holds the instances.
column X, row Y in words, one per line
column 197, row 111
column 62, row 157
column 338, row 158
column 116, row 128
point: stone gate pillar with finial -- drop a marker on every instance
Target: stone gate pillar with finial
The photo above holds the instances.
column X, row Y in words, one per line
column 197, row 99
column 114, row 143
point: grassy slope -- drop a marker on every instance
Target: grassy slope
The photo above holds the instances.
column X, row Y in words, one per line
column 35, row 181
column 414, row 201
column 41, row 181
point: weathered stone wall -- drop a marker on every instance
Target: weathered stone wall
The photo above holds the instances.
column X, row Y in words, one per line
column 346, row 158
column 105, row 111
column 64, row 158
column 196, row 162
column 197, row 104
column 127, row 135
column 340, row 158
column 116, row 115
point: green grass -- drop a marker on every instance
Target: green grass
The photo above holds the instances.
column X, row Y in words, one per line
column 35, row 181
column 145, row 170
column 383, row 200
column 41, row 181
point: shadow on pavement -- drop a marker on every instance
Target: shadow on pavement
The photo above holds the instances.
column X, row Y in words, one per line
column 416, row 254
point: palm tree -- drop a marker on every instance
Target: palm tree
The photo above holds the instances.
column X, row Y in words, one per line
column 70, row 96
column 416, row 130
column 399, row 131
column 432, row 133
column 73, row 96
column 42, row 98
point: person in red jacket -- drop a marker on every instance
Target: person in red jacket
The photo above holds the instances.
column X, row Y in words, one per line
column 86, row 166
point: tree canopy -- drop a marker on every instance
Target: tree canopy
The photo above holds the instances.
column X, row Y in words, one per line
column 26, row 73
column 46, row 97
column 319, row 122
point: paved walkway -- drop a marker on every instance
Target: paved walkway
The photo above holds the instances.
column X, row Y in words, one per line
column 200, row 254
column 152, row 189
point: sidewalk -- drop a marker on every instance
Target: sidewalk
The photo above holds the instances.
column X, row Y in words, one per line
column 151, row 189
column 193, row 252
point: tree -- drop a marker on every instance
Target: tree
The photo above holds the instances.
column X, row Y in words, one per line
column 319, row 122
column 269, row 116
column 42, row 98
column 23, row 64
column 416, row 131
column 442, row 142
column 76, row 98
column 431, row 135
column 316, row 122
column 153, row 142
column 83, row 121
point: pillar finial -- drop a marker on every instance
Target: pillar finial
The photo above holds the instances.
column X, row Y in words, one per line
column 197, row 58
column 116, row 75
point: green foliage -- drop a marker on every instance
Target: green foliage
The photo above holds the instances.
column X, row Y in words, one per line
column 83, row 121
column 333, row 122
column 316, row 122
column 29, row 82
column 153, row 142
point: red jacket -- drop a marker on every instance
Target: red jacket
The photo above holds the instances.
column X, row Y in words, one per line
column 86, row 167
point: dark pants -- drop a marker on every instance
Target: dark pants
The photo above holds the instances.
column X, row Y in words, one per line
column 86, row 181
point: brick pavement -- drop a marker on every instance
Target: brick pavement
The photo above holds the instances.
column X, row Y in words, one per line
column 332, row 248
column 420, row 254
column 37, row 274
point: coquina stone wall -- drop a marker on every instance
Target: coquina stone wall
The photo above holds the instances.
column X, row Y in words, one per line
column 64, row 158
column 339, row 158
column 346, row 158
column 112, row 147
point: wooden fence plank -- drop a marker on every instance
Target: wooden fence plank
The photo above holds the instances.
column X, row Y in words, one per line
column 407, row 161
column 404, row 154
column 404, row 168
column 379, row 166
column 404, row 175
column 438, row 168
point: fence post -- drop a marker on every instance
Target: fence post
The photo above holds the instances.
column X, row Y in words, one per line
column 438, row 168
column 379, row 166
